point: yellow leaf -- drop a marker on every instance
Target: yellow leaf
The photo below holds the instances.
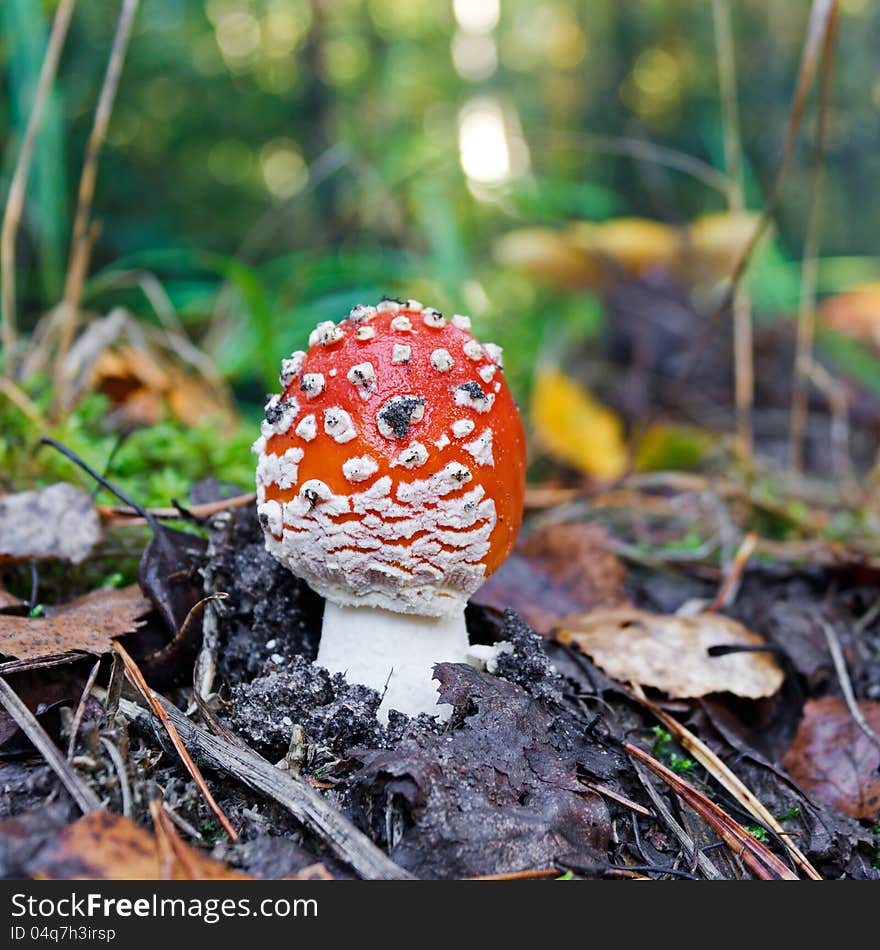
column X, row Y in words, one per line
column 855, row 313
column 637, row 245
column 575, row 428
column 550, row 257
column 715, row 243
column 673, row 447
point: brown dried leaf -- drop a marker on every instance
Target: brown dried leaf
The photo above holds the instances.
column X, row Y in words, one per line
column 556, row 571
column 832, row 758
column 87, row 624
column 100, row 846
column 107, row 847
column 57, row 522
column 671, row 653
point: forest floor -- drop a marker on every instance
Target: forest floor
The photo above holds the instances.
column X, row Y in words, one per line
column 549, row 767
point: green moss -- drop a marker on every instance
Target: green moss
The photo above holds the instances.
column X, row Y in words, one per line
column 154, row 465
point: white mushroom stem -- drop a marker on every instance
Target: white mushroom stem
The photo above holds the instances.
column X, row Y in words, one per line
column 376, row 647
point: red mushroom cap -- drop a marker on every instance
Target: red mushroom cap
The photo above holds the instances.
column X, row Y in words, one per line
column 392, row 466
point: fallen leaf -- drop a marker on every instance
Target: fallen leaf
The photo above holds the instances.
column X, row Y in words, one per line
column 44, row 692
column 168, row 575
column 833, row 759
column 146, row 374
column 102, row 846
column 635, row 246
column 99, row 846
column 671, row 653
column 56, row 522
column 496, row 793
column 714, row 244
column 551, row 257
column 556, row 571
column 87, row 625
column 855, row 313
column 575, row 428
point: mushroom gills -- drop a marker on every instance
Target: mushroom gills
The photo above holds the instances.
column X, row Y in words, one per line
column 376, row 647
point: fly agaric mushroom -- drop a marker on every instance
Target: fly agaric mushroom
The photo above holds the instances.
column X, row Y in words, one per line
column 391, row 479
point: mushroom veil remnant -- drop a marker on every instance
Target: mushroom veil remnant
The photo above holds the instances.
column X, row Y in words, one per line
column 390, row 478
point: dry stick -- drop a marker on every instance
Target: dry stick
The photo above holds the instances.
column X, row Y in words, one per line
column 136, row 678
column 642, row 151
column 119, row 514
column 84, row 797
column 193, row 613
column 169, row 844
column 743, row 363
column 817, row 29
column 759, row 859
column 21, row 401
column 686, row 841
column 78, row 258
column 81, row 708
column 838, row 404
column 723, row 774
column 729, row 587
column 839, row 661
column 806, row 324
column 617, row 797
column 18, row 188
column 121, row 775
column 534, row 875
column 39, row 662
column 182, row 823
column 304, row 802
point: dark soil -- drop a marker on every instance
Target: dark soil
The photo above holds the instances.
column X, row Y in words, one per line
column 510, row 782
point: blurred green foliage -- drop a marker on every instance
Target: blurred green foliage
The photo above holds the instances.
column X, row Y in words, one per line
column 273, row 162
column 153, row 465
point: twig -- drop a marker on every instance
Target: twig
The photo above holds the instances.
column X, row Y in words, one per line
column 118, row 514
column 744, row 373
column 79, row 257
column 39, row 662
column 532, row 875
column 19, row 398
column 838, row 404
column 729, row 587
column 181, row 636
column 760, row 860
column 725, row 776
column 170, row 846
column 182, row 823
column 653, row 869
column 121, row 775
column 817, row 30
column 114, row 689
column 81, row 708
column 839, row 661
column 136, row 678
column 304, row 802
column 686, row 841
column 642, row 151
column 84, row 797
column 806, row 321
column 103, row 482
column 617, row 797
column 18, row 188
